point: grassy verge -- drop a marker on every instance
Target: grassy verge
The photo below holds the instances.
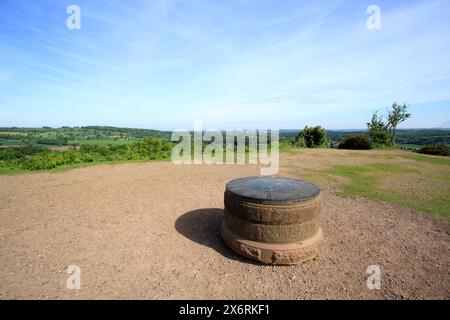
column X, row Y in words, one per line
column 364, row 181
column 445, row 161
column 399, row 177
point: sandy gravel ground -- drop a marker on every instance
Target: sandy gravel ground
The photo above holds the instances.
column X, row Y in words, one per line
column 150, row 231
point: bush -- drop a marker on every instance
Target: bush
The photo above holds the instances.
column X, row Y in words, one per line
column 435, row 149
column 31, row 158
column 312, row 137
column 18, row 153
column 300, row 141
column 360, row 142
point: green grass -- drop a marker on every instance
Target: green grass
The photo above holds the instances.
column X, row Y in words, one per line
column 445, row 161
column 287, row 148
column 363, row 181
column 102, row 142
column 11, row 171
column 22, row 134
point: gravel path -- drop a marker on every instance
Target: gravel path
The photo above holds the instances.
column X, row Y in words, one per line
column 150, row 231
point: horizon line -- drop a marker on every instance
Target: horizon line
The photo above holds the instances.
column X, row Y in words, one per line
column 171, row 130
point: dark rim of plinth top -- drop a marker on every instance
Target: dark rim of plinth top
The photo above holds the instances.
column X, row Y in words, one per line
column 272, row 189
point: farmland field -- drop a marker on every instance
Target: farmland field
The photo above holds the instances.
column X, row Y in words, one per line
column 111, row 135
column 102, row 142
column 78, row 135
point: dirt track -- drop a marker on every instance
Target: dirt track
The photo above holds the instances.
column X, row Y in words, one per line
column 150, row 230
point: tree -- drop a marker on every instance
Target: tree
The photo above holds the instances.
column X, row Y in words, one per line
column 61, row 140
column 312, row 137
column 397, row 115
column 378, row 131
column 382, row 132
column 299, row 141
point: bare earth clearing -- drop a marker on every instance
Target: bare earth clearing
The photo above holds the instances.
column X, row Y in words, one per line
column 151, row 231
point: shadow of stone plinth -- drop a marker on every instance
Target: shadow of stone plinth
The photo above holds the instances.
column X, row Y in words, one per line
column 203, row 227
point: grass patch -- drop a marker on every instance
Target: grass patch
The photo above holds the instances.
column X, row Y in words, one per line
column 439, row 160
column 11, row 171
column 21, row 134
column 363, row 181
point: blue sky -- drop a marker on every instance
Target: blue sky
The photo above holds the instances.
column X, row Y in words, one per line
column 231, row 64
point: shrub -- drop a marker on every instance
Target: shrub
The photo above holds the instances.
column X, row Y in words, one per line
column 360, row 142
column 31, row 158
column 435, row 149
column 18, row 153
column 312, row 137
column 300, row 141
column 39, row 162
column 151, row 148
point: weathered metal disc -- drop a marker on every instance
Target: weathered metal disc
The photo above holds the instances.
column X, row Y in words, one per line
column 272, row 189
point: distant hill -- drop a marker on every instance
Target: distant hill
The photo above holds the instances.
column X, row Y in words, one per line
column 47, row 136
column 446, row 125
column 52, row 137
column 90, row 132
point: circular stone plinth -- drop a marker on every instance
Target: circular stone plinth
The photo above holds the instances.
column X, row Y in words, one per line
column 273, row 220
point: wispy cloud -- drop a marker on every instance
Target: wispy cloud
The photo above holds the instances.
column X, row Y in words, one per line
column 165, row 64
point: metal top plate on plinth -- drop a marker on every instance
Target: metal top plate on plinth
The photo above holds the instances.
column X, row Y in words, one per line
column 270, row 189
